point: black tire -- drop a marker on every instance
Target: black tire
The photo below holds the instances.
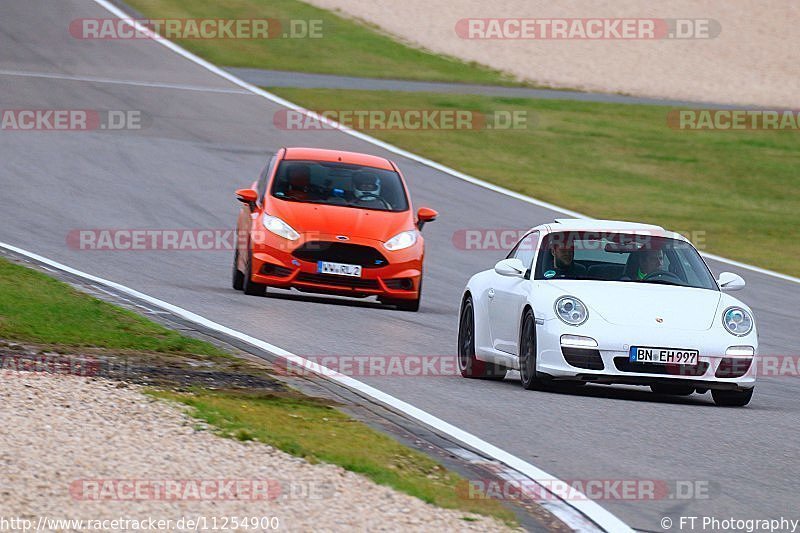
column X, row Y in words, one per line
column 732, row 398
column 407, row 305
column 674, row 390
column 238, row 277
column 529, row 377
column 250, row 287
column 469, row 365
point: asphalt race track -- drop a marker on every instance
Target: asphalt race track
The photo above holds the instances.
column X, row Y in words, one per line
column 204, row 137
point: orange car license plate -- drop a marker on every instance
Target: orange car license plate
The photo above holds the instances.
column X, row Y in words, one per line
column 339, row 269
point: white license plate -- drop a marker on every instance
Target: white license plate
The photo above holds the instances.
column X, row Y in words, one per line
column 663, row 356
column 339, row 269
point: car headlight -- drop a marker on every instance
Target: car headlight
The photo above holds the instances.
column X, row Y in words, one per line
column 737, row 321
column 401, row 241
column 279, row 228
column 571, row 310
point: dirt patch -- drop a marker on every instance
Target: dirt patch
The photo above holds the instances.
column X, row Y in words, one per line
column 174, row 371
column 752, row 61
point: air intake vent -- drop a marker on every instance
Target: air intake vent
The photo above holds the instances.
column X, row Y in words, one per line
column 339, row 252
column 624, row 364
column 338, row 281
column 582, row 358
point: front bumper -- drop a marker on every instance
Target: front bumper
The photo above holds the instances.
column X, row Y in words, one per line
column 609, row 363
column 284, row 264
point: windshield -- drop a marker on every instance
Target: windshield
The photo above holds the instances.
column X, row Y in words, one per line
column 340, row 184
column 623, row 257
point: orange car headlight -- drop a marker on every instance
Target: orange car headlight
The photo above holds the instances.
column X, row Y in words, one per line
column 279, row 228
column 401, row 241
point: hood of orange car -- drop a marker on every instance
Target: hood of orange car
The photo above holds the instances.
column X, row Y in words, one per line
column 339, row 220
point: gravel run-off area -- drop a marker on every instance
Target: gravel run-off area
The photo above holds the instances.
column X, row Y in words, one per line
column 70, row 447
column 753, row 60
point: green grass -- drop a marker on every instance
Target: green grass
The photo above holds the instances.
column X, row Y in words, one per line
column 347, row 47
column 317, row 432
column 36, row 308
column 740, row 189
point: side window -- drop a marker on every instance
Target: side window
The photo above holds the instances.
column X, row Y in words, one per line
column 525, row 250
column 262, row 180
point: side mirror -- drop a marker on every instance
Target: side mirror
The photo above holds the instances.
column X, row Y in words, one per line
column 424, row 215
column 728, row 281
column 513, row 268
column 247, row 196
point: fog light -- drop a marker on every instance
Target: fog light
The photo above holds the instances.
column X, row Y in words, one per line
column 577, row 341
column 740, row 351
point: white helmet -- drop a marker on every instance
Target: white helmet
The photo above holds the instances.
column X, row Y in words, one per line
column 366, row 185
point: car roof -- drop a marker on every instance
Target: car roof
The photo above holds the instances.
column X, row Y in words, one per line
column 353, row 158
column 609, row 226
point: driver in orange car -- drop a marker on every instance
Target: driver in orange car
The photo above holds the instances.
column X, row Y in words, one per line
column 299, row 183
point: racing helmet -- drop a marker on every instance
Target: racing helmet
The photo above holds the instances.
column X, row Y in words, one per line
column 366, row 185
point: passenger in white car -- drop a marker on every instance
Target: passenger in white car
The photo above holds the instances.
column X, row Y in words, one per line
column 563, row 258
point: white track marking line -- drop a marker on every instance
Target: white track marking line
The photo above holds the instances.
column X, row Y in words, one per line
column 746, row 266
column 391, row 148
column 155, row 85
column 594, row 512
column 570, row 516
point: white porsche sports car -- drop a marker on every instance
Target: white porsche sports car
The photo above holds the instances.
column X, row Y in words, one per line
column 609, row 302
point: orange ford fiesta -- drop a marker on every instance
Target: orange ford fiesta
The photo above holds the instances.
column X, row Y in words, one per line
column 333, row 222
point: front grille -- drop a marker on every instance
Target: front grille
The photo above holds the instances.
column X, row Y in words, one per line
column 340, row 252
column 583, row 358
column 733, row 367
column 338, row 281
column 624, row 364
column 275, row 270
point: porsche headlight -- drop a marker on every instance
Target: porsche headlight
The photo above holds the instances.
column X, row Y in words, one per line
column 571, row 310
column 737, row 321
column 279, row 228
column 401, row 241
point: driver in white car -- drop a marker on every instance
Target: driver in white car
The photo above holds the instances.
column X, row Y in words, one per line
column 650, row 261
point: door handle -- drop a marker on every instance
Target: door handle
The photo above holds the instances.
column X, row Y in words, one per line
column 491, row 293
